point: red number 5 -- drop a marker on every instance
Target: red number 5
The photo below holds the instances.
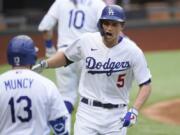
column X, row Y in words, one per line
column 120, row 80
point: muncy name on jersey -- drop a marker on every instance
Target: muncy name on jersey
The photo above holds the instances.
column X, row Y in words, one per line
column 18, row 83
column 108, row 67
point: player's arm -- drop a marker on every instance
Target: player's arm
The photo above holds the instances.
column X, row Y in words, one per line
column 143, row 94
column 57, row 60
column 50, row 19
column 46, row 27
column 143, row 77
column 48, row 42
column 47, row 35
column 57, row 112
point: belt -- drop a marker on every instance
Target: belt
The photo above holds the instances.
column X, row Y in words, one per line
column 99, row 104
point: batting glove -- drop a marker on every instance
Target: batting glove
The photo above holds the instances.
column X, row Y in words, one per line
column 40, row 66
column 130, row 117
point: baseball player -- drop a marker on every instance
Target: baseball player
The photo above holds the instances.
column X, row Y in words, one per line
column 30, row 104
column 74, row 17
column 111, row 62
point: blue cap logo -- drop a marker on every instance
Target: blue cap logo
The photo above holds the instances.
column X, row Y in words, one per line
column 110, row 11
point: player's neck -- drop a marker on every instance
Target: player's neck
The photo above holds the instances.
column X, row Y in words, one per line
column 110, row 43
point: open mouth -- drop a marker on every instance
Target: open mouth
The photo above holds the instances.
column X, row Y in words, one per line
column 108, row 34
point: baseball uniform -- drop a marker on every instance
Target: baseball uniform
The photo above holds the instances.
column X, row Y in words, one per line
column 29, row 104
column 106, row 80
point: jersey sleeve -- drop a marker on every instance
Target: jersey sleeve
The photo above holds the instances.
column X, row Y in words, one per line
column 57, row 106
column 57, row 112
column 50, row 19
column 73, row 52
column 140, row 68
column 47, row 23
column 99, row 8
column 54, row 10
column 99, row 5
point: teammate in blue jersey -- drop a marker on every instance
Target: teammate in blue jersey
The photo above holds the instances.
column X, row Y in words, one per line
column 111, row 62
column 30, row 104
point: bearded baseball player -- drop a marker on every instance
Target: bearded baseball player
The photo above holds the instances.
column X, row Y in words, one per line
column 111, row 62
column 74, row 17
column 30, row 104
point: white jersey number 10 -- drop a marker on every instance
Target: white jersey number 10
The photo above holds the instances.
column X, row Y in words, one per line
column 76, row 19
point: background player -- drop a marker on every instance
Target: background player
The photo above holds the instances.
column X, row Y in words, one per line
column 110, row 64
column 74, row 17
column 29, row 102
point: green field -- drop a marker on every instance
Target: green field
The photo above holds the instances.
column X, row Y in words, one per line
column 165, row 69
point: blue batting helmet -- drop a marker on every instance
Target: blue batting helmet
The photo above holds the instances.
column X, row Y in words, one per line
column 21, row 51
column 112, row 13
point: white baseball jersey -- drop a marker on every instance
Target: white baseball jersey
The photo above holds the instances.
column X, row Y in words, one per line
column 108, row 73
column 73, row 20
column 28, row 102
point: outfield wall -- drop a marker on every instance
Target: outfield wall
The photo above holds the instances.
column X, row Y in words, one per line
column 148, row 38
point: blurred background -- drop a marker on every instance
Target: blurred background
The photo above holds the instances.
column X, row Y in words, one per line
column 153, row 24
column 26, row 14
